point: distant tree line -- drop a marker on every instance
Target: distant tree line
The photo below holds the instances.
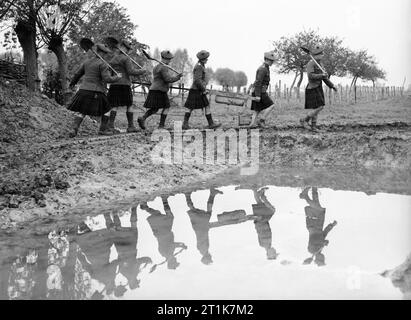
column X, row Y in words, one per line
column 338, row 61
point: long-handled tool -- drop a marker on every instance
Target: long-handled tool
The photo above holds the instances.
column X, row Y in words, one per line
column 154, row 59
column 113, row 43
column 311, row 56
column 153, row 268
column 87, row 44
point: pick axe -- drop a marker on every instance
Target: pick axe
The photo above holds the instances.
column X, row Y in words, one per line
column 87, row 44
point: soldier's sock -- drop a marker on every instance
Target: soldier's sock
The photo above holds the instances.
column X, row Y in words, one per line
column 130, row 119
column 209, row 119
column 104, row 122
column 113, row 115
column 149, row 112
column 163, row 120
column 187, row 117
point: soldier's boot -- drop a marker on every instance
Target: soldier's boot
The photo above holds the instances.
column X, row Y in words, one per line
column 130, row 120
column 314, row 127
column 77, row 123
column 185, row 123
column 104, row 128
column 113, row 115
column 162, row 121
column 140, row 121
column 305, row 122
column 211, row 123
column 261, row 123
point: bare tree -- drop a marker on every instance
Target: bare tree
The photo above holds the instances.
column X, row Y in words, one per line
column 54, row 22
column 289, row 56
column 24, row 14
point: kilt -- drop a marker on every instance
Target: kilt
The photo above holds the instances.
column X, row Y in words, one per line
column 196, row 100
column 264, row 103
column 314, row 98
column 91, row 103
column 120, row 95
column 157, row 99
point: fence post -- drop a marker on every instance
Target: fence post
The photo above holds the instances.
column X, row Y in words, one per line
column 279, row 89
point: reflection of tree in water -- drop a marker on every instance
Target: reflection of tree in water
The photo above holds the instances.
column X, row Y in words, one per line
column 315, row 217
column 21, row 277
column 57, row 258
column 161, row 226
column 95, row 258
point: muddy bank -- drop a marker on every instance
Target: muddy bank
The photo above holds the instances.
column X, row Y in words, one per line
column 366, row 147
column 41, row 180
column 49, row 182
column 401, row 277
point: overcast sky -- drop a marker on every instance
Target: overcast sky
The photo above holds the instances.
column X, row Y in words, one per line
column 238, row 32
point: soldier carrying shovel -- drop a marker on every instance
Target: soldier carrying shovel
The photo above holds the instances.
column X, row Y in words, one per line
column 314, row 94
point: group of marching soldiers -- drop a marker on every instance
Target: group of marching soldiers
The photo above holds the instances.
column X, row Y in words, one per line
column 91, row 98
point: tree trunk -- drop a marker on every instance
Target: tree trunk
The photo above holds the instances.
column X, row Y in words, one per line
column 300, row 80
column 295, row 78
column 56, row 45
column 26, row 33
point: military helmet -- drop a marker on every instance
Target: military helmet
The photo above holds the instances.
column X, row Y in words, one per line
column 102, row 48
column 126, row 44
column 269, row 55
column 166, row 54
column 203, row 54
column 317, row 50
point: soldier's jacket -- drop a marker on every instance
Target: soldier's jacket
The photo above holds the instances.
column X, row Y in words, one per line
column 315, row 77
column 262, row 80
column 95, row 76
column 199, row 78
column 162, row 78
column 123, row 64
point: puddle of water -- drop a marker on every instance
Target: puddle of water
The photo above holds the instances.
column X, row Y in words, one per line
column 262, row 242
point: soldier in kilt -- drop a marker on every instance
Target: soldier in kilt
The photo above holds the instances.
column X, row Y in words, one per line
column 262, row 99
column 197, row 98
column 314, row 94
column 91, row 98
column 120, row 93
column 157, row 97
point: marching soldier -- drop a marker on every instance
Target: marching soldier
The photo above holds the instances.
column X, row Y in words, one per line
column 197, row 98
column 91, row 98
column 120, row 93
column 262, row 100
column 314, row 94
column 157, row 97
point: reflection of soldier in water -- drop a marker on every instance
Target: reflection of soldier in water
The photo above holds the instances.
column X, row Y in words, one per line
column 263, row 211
column 315, row 217
column 97, row 247
column 200, row 220
column 161, row 225
column 126, row 245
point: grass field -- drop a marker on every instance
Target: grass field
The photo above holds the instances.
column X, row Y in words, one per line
column 397, row 109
